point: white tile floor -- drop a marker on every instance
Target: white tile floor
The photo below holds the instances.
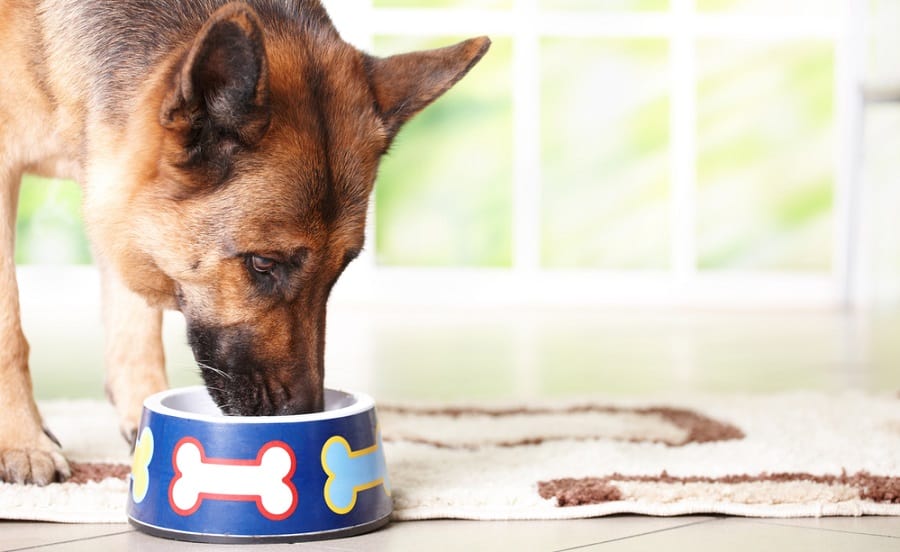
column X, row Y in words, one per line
column 614, row 533
column 447, row 355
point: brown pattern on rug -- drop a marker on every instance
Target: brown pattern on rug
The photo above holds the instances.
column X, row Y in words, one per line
column 696, row 427
column 83, row 472
column 788, row 434
column 596, row 490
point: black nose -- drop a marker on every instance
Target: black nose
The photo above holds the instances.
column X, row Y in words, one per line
column 299, row 405
column 267, row 399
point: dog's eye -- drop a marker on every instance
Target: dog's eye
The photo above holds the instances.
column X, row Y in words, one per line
column 263, row 265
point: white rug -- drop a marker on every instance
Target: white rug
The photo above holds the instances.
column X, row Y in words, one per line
column 791, row 455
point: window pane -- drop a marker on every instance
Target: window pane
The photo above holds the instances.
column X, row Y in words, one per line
column 772, row 7
column 766, row 155
column 443, row 3
column 444, row 192
column 605, row 142
column 49, row 228
column 606, row 5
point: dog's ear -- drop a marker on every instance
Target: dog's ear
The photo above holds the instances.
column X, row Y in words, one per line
column 218, row 100
column 405, row 84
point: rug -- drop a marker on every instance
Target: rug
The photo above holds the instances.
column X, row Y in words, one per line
column 788, row 455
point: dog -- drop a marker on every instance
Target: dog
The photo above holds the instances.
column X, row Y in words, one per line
column 227, row 151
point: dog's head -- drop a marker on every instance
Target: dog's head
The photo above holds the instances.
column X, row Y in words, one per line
column 267, row 133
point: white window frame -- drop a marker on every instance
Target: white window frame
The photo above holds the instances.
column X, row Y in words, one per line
column 682, row 284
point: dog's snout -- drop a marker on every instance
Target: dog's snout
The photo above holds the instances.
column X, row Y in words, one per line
column 257, row 399
column 298, row 405
column 301, row 398
column 243, row 383
column 286, row 401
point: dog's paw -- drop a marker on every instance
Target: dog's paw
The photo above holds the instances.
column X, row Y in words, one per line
column 39, row 463
column 129, row 433
column 129, row 421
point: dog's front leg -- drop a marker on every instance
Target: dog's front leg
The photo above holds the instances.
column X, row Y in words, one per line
column 135, row 362
column 27, row 454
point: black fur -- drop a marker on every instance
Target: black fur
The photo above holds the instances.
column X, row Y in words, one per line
column 125, row 39
column 221, row 96
column 237, row 381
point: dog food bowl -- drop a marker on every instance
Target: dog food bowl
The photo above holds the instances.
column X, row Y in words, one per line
column 198, row 475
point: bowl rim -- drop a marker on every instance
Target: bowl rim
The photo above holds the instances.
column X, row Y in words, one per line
column 154, row 403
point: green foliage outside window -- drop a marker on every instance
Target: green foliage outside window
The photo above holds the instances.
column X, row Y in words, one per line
column 765, row 166
column 444, row 193
column 49, row 228
column 605, row 187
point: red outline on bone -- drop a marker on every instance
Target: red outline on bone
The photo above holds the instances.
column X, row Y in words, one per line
column 231, row 473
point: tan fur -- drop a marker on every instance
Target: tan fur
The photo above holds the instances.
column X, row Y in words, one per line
column 285, row 172
column 26, row 453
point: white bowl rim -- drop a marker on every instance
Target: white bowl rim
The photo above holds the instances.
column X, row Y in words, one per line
column 155, row 403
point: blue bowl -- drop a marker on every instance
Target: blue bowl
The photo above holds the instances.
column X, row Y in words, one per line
column 198, row 475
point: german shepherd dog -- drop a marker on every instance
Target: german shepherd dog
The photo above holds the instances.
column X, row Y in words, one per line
column 227, row 152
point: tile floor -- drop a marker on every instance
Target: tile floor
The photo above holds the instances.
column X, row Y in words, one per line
column 521, row 354
column 624, row 533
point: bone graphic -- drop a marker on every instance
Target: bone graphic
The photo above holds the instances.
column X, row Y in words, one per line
column 265, row 480
column 140, row 465
column 351, row 472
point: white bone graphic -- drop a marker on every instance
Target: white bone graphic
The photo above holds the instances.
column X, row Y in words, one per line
column 265, row 480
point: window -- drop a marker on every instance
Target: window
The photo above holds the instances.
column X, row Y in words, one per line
column 622, row 151
column 604, row 151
